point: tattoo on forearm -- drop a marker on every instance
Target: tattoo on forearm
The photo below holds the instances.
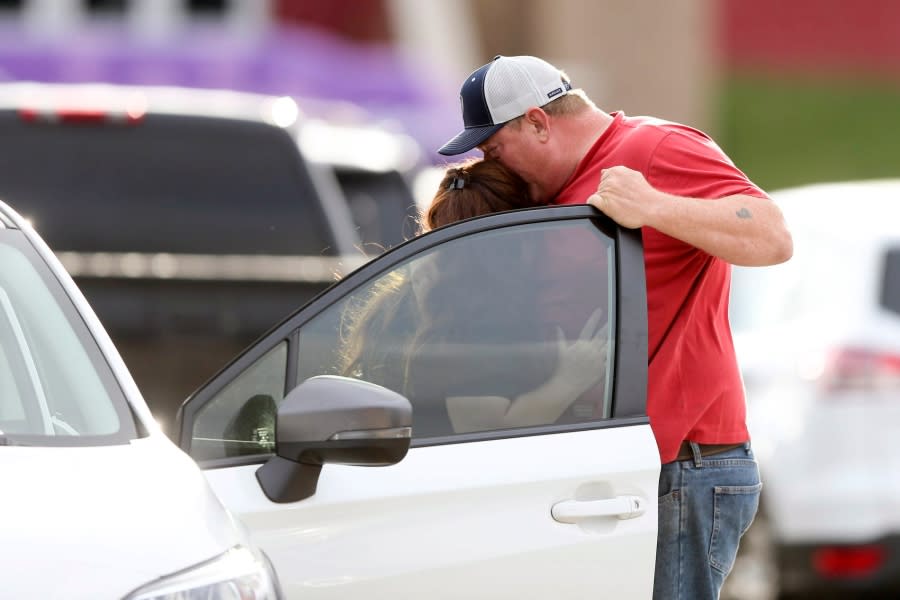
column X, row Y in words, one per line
column 744, row 213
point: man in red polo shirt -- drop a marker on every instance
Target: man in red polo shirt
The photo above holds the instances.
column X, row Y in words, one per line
column 698, row 215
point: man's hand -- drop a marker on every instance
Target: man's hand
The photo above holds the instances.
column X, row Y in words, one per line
column 625, row 196
column 739, row 229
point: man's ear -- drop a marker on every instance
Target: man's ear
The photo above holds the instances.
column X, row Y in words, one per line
column 538, row 121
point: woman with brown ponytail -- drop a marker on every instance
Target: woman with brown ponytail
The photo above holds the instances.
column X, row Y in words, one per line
column 469, row 189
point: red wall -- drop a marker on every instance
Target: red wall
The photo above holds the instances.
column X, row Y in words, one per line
column 361, row 20
column 827, row 35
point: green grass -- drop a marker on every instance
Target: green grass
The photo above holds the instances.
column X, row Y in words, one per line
column 785, row 131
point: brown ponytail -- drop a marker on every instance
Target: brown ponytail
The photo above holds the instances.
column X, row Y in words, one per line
column 473, row 188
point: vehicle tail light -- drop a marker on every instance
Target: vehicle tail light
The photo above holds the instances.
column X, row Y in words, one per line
column 80, row 115
column 861, row 369
column 848, row 561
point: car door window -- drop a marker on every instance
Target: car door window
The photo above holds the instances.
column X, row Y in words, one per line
column 491, row 332
column 473, row 330
column 240, row 420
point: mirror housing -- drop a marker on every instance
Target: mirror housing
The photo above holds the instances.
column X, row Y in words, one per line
column 338, row 420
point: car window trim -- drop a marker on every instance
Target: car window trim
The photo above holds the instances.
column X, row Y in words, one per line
column 462, row 438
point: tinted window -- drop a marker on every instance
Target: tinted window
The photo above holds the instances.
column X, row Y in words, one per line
column 511, row 328
column 382, row 205
column 506, row 329
column 117, row 6
column 206, row 6
column 890, row 291
column 167, row 184
column 55, row 386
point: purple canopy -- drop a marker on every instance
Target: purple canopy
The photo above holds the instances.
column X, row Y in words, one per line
column 290, row 61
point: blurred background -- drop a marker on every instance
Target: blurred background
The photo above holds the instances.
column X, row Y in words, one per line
column 797, row 92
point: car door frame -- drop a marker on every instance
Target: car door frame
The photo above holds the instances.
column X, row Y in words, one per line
column 629, row 390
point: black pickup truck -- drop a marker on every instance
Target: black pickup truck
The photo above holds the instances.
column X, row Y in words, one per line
column 193, row 220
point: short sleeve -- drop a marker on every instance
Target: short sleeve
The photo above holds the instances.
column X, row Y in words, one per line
column 686, row 162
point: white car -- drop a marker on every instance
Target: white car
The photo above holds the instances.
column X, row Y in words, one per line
column 818, row 339
column 96, row 501
column 468, row 503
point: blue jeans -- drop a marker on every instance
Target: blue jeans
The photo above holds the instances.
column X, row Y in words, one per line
column 705, row 506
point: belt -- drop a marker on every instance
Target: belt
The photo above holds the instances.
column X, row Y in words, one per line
column 685, row 453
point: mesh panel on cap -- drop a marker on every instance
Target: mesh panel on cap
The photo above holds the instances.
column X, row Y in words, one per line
column 509, row 91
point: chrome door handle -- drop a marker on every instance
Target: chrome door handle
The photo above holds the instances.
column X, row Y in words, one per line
column 621, row 507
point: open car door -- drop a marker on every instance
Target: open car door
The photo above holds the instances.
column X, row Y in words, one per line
column 513, row 347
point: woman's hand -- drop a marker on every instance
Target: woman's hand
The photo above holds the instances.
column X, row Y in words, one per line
column 581, row 363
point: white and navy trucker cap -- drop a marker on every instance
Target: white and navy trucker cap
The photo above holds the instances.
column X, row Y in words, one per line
column 499, row 92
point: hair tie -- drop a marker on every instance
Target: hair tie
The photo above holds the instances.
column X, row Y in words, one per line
column 457, row 183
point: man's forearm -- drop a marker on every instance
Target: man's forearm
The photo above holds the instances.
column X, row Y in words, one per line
column 742, row 230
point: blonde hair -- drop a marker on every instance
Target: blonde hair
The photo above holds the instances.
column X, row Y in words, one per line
column 573, row 103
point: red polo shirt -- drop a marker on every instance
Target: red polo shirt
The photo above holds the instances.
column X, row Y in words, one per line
column 695, row 390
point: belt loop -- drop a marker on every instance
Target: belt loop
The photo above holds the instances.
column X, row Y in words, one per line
column 695, row 450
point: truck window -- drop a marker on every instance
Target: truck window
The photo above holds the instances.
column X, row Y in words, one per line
column 169, row 184
column 382, row 205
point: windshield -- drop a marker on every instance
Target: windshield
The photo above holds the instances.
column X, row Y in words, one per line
column 56, row 388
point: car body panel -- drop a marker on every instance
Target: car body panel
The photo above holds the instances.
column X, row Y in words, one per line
column 98, row 521
column 472, row 519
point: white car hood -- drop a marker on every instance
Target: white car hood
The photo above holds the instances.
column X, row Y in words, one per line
column 98, row 522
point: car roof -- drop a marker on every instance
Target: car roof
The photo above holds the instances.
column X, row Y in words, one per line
column 860, row 210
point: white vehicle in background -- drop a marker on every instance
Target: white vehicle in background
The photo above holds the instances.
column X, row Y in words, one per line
column 818, row 340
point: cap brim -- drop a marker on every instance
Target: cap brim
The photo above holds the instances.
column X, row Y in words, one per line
column 468, row 139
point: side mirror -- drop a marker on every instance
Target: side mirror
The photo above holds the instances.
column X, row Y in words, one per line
column 333, row 419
